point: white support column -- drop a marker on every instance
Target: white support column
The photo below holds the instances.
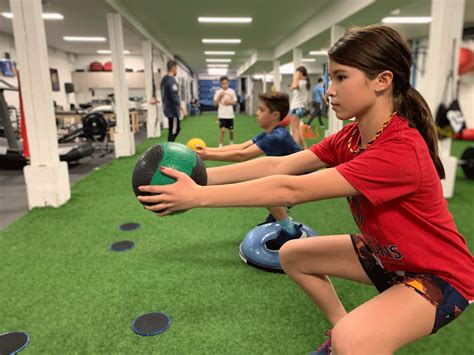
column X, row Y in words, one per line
column 264, row 83
column 443, row 33
column 163, row 73
column 297, row 57
column 153, row 128
column 161, row 67
column 276, row 75
column 250, row 103
column 334, row 125
column 47, row 179
column 124, row 138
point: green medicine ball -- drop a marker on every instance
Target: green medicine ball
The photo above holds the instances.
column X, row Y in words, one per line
column 171, row 155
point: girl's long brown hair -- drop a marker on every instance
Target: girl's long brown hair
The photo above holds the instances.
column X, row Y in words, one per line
column 373, row 49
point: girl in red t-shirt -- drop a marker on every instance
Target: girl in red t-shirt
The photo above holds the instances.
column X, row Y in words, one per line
column 387, row 164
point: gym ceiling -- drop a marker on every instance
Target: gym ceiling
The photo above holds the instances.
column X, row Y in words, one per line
column 277, row 26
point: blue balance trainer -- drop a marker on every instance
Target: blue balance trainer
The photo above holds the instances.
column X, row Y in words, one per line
column 254, row 252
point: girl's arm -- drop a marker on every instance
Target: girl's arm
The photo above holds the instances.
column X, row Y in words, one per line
column 295, row 83
column 294, row 164
column 279, row 190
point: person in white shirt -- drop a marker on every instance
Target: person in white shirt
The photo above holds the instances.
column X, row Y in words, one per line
column 299, row 103
column 225, row 99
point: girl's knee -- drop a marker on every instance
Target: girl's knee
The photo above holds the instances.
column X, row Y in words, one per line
column 288, row 255
column 345, row 339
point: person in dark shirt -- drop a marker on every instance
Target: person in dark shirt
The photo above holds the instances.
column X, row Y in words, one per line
column 318, row 98
column 171, row 102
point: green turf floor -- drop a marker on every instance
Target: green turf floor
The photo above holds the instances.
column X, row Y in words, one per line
column 60, row 283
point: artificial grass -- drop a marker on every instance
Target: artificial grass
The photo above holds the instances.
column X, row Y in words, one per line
column 61, row 284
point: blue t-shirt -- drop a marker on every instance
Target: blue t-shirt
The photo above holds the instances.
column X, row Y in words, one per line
column 278, row 142
column 318, row 91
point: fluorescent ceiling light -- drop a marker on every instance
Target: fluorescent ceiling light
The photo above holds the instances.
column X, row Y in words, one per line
column 217, row 71
column 84, row 39
column 219, row 52
column 108, row 51
column 223, row 60
column 318, row 53
column 45, row 15
column 222, row 40
column 400, row 19
column 224, row 19
column 308, row 60
column 218, row 65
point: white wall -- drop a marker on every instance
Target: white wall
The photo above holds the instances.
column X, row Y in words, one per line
column 466, row 91
column 466, row 98
column 57, row 60
column 82, row 61
column 134, row 62
column 7, row 45
column 60, row 61
column 466, row 87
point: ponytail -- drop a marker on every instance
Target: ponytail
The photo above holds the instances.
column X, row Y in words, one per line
column 414, row 108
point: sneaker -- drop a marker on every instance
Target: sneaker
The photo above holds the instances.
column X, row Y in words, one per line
column 325, row 348
column 282, row 237
column 269, row 219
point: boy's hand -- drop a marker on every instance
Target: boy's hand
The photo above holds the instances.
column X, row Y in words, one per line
column 219, row 96
column 228, row 101
column 180, row 196
column 202, row 152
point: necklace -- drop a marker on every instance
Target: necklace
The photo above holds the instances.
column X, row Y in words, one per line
column 358, row 149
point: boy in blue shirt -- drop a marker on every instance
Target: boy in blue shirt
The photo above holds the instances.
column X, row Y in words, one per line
column 274, row 141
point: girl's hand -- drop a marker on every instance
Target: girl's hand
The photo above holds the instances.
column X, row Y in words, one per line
column 202, row 152
column 180, row 196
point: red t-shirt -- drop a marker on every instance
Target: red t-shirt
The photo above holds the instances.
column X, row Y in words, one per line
column 401, row 211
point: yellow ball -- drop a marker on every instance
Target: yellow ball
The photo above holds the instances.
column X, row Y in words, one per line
column 196, row 141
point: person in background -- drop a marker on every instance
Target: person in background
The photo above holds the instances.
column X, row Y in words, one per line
column 300, row 87
column 318, row 98
column 225, row 99
column 171, row 102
